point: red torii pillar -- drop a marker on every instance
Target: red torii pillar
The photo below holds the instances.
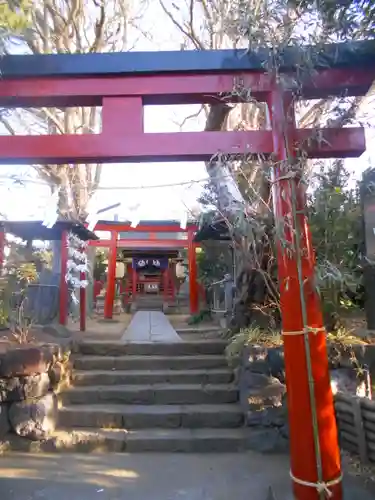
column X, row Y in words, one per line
column 64, row 291
column 134, row 282
column 111, row 277
column 166, row 284
column 2, row 248
column 315, row 454
column 193, row 285
column 82, row 301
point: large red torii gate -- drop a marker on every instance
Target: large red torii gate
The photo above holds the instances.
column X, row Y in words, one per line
column 123, row 83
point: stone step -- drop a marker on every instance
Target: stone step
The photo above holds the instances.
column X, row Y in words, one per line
column 105, row 348
column 152, row 394
column 110, row 377
column 149, row 297
column 201, row 329
column 149, row 440
column 151, row 416
column 150, row 305
column 149, row 362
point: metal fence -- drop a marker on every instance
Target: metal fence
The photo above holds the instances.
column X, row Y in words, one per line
column 221, row 296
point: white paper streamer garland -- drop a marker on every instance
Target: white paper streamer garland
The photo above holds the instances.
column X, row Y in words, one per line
column 77, row 263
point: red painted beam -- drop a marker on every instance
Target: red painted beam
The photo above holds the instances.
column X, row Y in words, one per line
column 100, row 243
column 121, row 228
column 117, row 147
column 181, row 89
column 333, row 142
column 156, row 89
column 338, row 82
column 150, row 244
column 124, row 111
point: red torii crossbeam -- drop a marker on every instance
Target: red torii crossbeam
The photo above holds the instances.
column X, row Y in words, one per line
column 123, row 84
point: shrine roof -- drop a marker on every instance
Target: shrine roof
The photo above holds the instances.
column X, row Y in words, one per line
column 35, row 230
column 125, row 225
column 149, row 252
column 341, row 55
column 215, row 231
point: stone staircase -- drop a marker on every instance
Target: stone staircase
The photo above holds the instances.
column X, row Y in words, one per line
column 151, row 397
column 157, row 303
column 149, row 302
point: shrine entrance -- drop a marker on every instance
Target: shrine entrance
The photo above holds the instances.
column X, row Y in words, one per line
column 122, row 83
column 148, row 254
column 151, row 273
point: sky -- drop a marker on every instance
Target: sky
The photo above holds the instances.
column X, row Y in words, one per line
column 29, row 201
column 155, row 203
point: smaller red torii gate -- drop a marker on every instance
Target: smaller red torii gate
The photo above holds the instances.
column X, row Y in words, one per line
column 151, row 243
column 36, row 230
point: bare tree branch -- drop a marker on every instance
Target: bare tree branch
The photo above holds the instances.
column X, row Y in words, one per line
column 190, row 35
column 70, row 26
column 7, row 125
column 191, row 116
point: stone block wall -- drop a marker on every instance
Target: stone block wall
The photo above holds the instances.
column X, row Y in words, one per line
column 356, row 424
column 260, row 375
column 30, row 378
column 261, row 381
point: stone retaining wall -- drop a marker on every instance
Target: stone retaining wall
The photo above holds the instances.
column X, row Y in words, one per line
column 30, row 377
column 260, row 375
column 356, row 425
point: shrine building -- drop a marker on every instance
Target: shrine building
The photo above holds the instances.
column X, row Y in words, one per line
column 143, row 264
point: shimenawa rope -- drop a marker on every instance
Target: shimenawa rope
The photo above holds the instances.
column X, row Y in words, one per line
column 321, row 487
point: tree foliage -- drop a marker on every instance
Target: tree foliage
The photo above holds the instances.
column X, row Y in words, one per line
column 216, row 24
column 14, row 17
column 213, row 262
column 336, row 226
column 14, row 20
column 347, row 19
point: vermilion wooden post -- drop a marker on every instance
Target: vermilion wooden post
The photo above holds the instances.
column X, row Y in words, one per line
column 82, row 302
column 166, row 284
column 111, row 277
column 172, row 281
column 2, row 248
column 193, row 285
column 134, row 283
column 304, row 452
column 64, row 292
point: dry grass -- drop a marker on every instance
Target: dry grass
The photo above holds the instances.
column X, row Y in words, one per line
column 274, row 338
column 252, row 336
column 345, row 336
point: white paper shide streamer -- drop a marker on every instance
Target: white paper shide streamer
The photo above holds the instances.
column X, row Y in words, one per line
column 51, row 210
column 77, row 263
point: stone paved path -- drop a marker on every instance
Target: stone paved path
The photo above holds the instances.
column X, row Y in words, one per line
column 150, row 326
column 242, row 476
